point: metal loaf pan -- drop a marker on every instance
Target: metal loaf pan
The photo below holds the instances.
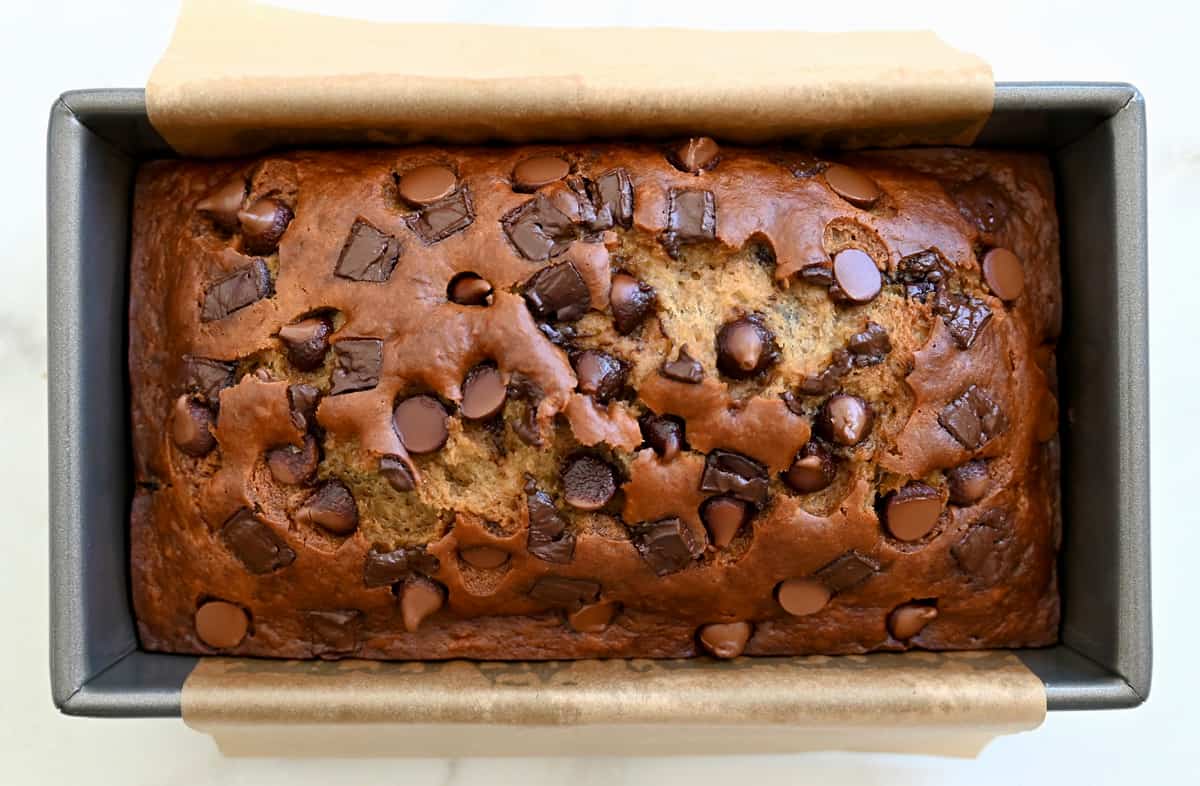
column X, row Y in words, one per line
column 1096, row 135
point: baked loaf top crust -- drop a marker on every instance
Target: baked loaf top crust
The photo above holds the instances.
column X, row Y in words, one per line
column 594, row 400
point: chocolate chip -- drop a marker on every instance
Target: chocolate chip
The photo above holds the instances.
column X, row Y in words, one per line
column 539, row 230
column 817, row 274
column 802, row 597
column 667, row 546
column 191, row 427
column 469, row 289
column 420, row 599
column 382, row 568
column 397, row 473
column 663, row 433
column 306, row 342
column 696, row 154
column 804, row 165
column 239, row 289
column 980, row 551
column 439, row 220
column 828, row 379
column 221, row 625
column 557, row 292
column 573, row 199
column 483, row 393
column 812, row 470
column 847, row 571
column 982, row 202
column 368, row 254
column 533, row 173
column 600, row 375
column 853, row 186
column 683, row 369
column 206, row 377
column 968, row 483
column 421, row 423
column 548, row 538
column 588, row 483
column 612, row 196
column 223, row 203
column 593, row 618
column 746, row 347
column 922, row 274
column 293, row 465
column 726, row 639
column 723, row 517
column 909, row 619
column 333, row 632
column 973, row 418
column 560, row 591
column 1003, row 273
column 303, row 399
column 483, row 557
column 631, row 301
column 869, row 347
column 726, row 472
column 793, row 403
column 255, row 544
column 855, row 276
column 521, row 388
column 331, row 507
column 426, row 184
column 965, row 317
column 845, row 419
column 691, row 218
column 359, row 362
column 263, row 224
column 912, row 512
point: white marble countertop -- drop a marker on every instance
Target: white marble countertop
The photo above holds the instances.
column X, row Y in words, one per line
column 50, row 46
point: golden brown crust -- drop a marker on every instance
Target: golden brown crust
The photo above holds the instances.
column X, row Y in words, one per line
column 941, row 395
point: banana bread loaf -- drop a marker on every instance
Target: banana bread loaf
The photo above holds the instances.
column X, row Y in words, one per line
column 594, row 400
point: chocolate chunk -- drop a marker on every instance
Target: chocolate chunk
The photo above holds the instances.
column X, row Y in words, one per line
column 746, row 347
column 600, row 375
column 631, row 302
column 483, row 393
column 802, row 597
column 723, row 517
column 426, row 184
column 533, row 173
column 306, row 342
column 224, row 202
column 968, row 483
column 568, row 593
column 726, row 472
column 667, row 546
column 539, row 230
column 206, row 377
column 909, row 619
column 818, row 274
column 726, row 639
column 1003, row 273
column 263, row 225
column 845, row 419
column 588, row 483
column 847, row 571
column 421, row 423
column 683, row 369
column 221, row 625
column 293, row 465
column 562, row 336
column 593, row 618
column 812, row 470
column 359, row 362
column 696, row 154
column 397, row 473
column 663, row 433
column 853, row 186
column 980, row 551
column 557, row 292
column 982, row 202
column 334, row 632
column 239, row 289
column 572, row 198
column 469, row 289
column 522, row 388
column 483, row 557
column 382, row 568
column 912, row 512
column 828, row 379
column 368, row 254
column 869, row 347
column 965, row 316
column 191, row 427
column 804, row 165
column 691, row 218
column 973, row 418
column 922, row 274
column 855, row 276
column 793, row 403
column 331, row 507
column 612, row 195
column 420, row 599
column 439, row 220
column 548, row 538
column 255, row 544
column 303, row 399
